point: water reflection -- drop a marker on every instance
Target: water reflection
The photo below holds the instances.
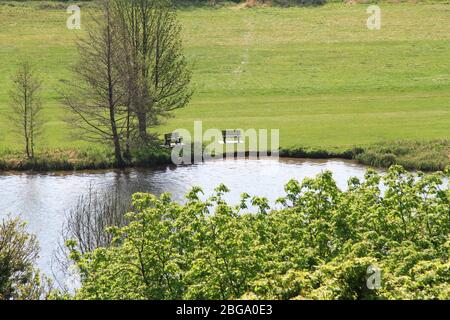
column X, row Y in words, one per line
column 43, row 199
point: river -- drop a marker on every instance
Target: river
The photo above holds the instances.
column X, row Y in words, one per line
column 44, row 199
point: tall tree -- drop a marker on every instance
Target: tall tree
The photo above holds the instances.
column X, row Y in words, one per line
column 26, row 105
column 155, row 66
column 98, row 97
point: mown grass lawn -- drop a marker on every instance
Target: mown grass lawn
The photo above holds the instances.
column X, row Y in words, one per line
column 317, row 74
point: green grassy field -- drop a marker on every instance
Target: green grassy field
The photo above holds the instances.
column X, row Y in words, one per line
column 317, row 74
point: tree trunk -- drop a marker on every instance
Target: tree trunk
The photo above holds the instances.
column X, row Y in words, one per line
column 26, row 120
column 142, row 126
column 27, row 147
column 127, row 152
column 112, row 117
column 32, row 141
column 117, row 151
column 112, row 107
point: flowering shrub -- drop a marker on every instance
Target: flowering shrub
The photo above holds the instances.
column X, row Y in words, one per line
column 321, row 244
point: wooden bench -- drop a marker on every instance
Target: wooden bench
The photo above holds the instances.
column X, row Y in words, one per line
column 172, row 139
column 231, row 136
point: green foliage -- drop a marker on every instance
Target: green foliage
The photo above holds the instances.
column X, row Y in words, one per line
column 419, row 155
column 18, row 252
column 151, row 156
column 318, row 153
column 318, row 244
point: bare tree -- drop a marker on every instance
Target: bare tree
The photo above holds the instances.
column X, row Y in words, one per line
column 88, row 219
column 86, row 223
column 155, row 67
column 97, row 98
column 26, row 105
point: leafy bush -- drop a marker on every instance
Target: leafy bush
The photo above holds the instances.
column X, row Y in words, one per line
column 319, row 244
column 18, row 252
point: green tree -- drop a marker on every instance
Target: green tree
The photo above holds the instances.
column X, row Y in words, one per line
column 154, row 66
column 320, row 243
column 19, row 279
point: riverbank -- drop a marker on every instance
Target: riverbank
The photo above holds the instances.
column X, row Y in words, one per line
column 413, row 155
column 82, row 159
column 424, row 155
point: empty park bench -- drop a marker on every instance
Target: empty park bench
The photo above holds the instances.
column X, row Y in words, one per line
column 231, row 136
column 171, row 139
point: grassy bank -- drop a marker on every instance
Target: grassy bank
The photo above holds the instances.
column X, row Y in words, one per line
column 317, row 74
column 412, row 155
column 84, row 159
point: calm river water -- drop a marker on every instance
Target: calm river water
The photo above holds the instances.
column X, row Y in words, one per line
column 43, row 199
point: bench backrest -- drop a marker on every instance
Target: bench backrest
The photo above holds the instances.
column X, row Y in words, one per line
column 231, row 133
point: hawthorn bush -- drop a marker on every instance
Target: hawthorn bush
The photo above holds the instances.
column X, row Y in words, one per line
column 319, row 243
